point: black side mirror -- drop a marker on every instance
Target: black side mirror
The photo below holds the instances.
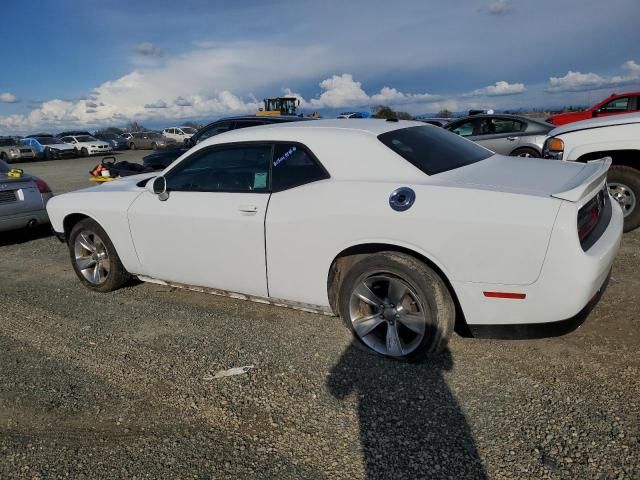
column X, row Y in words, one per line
column 595, row 113
column 159, row 187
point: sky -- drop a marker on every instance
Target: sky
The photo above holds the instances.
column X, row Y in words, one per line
column 89, row 64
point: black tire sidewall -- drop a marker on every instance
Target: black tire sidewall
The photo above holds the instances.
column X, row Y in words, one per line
column 518, row 151
column 433, row 293
column 631, row 178
column 118, row 276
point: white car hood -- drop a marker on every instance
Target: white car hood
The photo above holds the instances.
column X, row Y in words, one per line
column 529, row 176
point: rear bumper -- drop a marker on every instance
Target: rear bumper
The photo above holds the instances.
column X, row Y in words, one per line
column 570, row 282
column 23, row 220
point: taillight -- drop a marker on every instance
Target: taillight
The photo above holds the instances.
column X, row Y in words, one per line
column 42, row 186
column 589, row 214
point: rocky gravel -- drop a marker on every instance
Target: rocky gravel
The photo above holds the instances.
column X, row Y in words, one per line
column 120, row 385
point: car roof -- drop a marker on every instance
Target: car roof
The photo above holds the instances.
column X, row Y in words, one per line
column 374, row 126
column 348, row 148
column 607, row 121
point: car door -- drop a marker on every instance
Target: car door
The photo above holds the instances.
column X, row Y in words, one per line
column 500, row 134
column 209, row 232
column 616, row 106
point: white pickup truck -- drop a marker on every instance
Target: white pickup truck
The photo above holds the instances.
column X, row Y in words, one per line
column 615, row 136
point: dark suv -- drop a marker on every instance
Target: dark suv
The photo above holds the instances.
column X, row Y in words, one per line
column 161, row 160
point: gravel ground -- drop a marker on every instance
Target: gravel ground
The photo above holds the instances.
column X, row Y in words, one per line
column 119, row 385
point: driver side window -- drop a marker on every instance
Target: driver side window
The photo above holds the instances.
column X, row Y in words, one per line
column 214, row 130
column 241, row 168
column 616, row 106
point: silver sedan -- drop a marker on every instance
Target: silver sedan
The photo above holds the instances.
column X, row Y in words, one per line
column 22, row 200
column 505, row 134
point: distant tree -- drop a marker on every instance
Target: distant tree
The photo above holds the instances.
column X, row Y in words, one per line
column 444, row 114
column 192, row 124
column 134, row 126
column 383, row 111
column 114, row 130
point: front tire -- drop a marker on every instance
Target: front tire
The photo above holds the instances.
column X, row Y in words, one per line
column 84, row 152
column 94, row 258
column 132, row 146
column 525, row 152
column 396, row 306
column 624, row 186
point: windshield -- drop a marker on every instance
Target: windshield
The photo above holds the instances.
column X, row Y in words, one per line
column 188, row 130
column 48, row 141
column 85, row 138
column 7, row 142
column 433, row 149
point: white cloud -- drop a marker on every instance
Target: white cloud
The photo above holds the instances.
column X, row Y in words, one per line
column 499, row 7
column 341, row 91
column 499, row 89
column 7, row 97
column 579, row 82
column 158, row 104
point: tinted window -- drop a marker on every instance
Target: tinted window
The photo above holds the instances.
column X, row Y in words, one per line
column 465, row 129
column 433, row 150
column 231, row 169
column 618, row 105
column 214, row 129
column 293, row 165
column 495, row 126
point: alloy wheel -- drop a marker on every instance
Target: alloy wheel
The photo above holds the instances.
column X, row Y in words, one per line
column 625, row 197
column 387, row 315
column 91, row 257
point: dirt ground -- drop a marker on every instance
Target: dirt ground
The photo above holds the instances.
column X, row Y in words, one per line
column 119, row 385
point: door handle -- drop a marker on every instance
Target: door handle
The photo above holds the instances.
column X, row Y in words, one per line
column 511, row 139
column 248, row 208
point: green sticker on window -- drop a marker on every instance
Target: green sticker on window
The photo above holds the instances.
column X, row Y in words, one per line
column 260, row 180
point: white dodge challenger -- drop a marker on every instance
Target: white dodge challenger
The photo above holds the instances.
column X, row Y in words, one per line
column 403, row 229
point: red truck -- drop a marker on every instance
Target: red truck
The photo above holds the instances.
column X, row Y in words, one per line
column 613, row 105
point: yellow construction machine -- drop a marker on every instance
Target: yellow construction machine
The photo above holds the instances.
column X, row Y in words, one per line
column 279, row 106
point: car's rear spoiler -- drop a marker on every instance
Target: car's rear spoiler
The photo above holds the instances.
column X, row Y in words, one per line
column 589, row 178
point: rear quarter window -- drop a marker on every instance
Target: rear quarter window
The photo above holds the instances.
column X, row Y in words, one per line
column 433, row 149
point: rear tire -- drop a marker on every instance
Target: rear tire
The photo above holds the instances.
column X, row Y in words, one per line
column 525, row 152
column 624, row 186
column 396, row 306
column 94, row 258
column 154, row 146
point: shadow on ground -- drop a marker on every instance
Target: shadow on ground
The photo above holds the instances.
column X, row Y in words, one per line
column 411, row 426
column 15, row 237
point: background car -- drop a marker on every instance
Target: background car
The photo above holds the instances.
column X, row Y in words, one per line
column 614, row 105
column 398, row 260
column 51, row 147
column 160, row 160
column 179, row 134
column 116, row 141
column 74, row 133
column 13, row 150
column 438, row 122
column 87, row 145
column 505, row 134
column 617, row 137
column 152, row 140
column 23, row 200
